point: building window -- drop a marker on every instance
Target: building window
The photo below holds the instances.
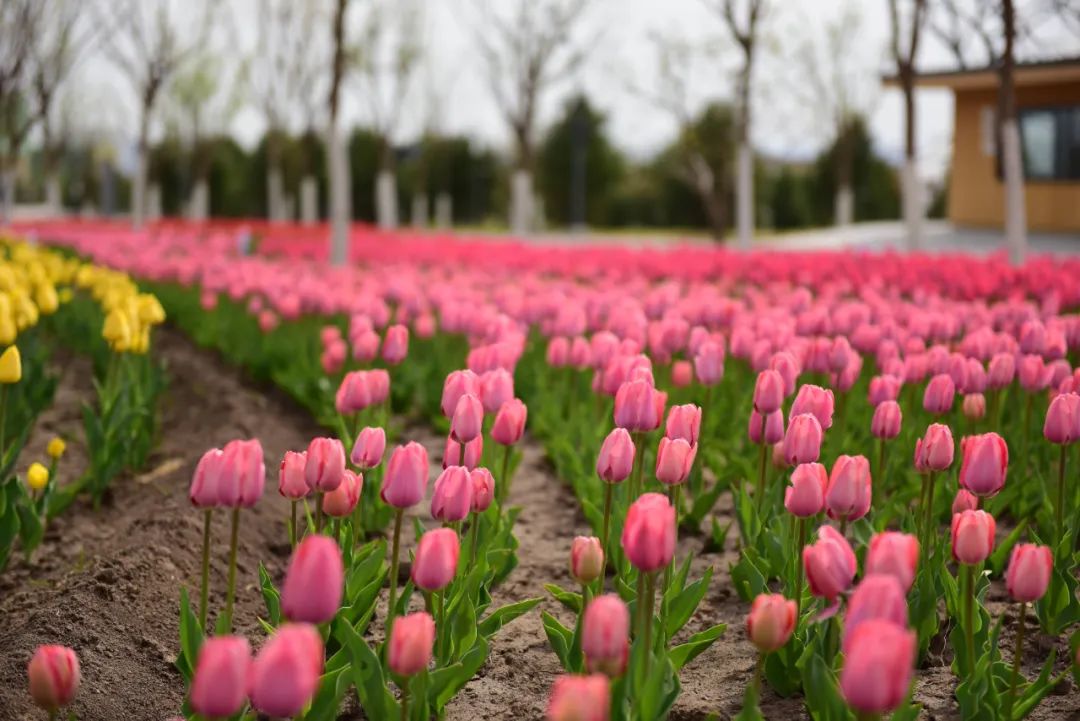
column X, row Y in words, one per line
column 1050, row 138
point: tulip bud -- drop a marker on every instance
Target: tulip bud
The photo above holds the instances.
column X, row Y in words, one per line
column 483, row 484
column 984, row 465
column 648, row 536
column 54, row 676
column 616, row 459
column 367, row 451
column 340, row 502
column 805, row 497
column 965, row 501
column 509, row 423
column 205, row 483
column 579, row 698
column 639, row 406
column 972, row 536
column 291, row 481
column 877, row 597
column 879, row 657
column 586, row 559
column 354, row 393
column 895, row 554
column 457, row 384
column 468, row 418
column 1029, row 572
column 974, row 406
column 817, row 401
column 496, row 388
column 847, row 495
column 285, row 673
column 802, row 442
column 605, row 634
column 770, row 622
column 1062, row 424
column 939, row 394
column 934, row 451
column 1001, row 371
column 56, row 448
column 768, row 392
column 313, row 581
column 883, row 388
column 674, row 459
column 396, row 344
column 37, row 476
column 709, row 363
column 452, row 499
column 10, row 365
column 243, row 473
column 474, row 451
column 682, row 374
column 436, row 560
column 220, row 685
column 684, row 422
column 324, row 466
column 829, row 563
column 411, row 642
column 405, row 482
column 886, row 421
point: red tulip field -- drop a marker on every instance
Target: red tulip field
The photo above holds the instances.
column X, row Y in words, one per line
column 487, row 479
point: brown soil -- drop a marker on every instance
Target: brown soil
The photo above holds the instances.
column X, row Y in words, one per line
column 107, row 582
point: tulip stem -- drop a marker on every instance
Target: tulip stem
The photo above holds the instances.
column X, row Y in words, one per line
column 504, row 476
column 231, row 593
column 318, row 512
column 1059, row 511
column 3, row 416
column 442, row 630
column 969, row 614
column 639, row 465
column 928, row 529
column 1017, row 656
column 390, row 610
column 204, row 599
column 758, row 668
column 292, row 524
column 650, row 592
column 336, row 530
column 799, row 571
column 474, row 531
column 879, row 479
column 405, row 699
column 760, row 500
column 608, row 492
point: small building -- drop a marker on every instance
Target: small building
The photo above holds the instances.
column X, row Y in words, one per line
column 1048, row 109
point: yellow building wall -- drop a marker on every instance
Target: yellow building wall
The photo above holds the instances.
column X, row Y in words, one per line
column 977, row 195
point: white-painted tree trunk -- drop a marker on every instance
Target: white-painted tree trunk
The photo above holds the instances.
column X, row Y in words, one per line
column 288, row 208
column 274, row 195
column 199, row 203
column 521, row 202
column 419, row 215
column 386, row 207
column 844, row 211
column 444, row 210
column 912, row 199
column 340, row 212
column 54, row 197
column 744, row 196
column 7, row 190
column 1015, row 213
column 153, row 203
column 138, row 189
column 309, row 200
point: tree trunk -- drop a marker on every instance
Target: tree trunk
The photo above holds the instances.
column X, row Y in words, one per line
column 338, row 164
column 138, row 186
column 911, row 185
column 444, row 210
column 199, row 203
column 7, row 191
column 1015, row 220
column 386, row 206
column 844, row 206
column 744, row 180
column 153, row 203
column 54, row 197
column 419, row 215
column 274, row 194
column 309, row 200
column 521, row 202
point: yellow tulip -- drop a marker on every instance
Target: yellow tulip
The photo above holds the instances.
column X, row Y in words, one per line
column 150, row 310
column 46, row 299
column 10, row 365
column 117, row 330
column 56, row 448
column 37, row 476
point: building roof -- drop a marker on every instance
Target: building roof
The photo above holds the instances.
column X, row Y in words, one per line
column 1033, row 72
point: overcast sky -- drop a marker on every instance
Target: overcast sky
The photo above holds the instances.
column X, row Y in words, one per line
column 621, row 58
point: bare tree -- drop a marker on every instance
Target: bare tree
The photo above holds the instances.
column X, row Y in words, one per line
column 336, row 159
column 525, row 54
column 20, row 22
column 144, row 42
column 904, row 47
column 386, row 60
column 282, row 73
column 743, row 20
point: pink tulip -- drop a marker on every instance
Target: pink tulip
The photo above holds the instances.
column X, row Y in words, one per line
column 483, row 484
column 453, row 496
column 468, row 419
column 457, row 384
column 648, row 536
column 367, row 451
column 452, row 453
column 972, row 536
column 805, row 497
column 586, row 559
column 879, row 658
column 496, row 388
column 205, row 489
column 802, row 442
column 879, row 596
column 378, row 380
column 934, row 451
column 770, row 622
column 682, row 374
column 396, row 344
column 1062, row 424
column 984, row 465
column 220, row 685
column 243, row 474
column 365, row 346
column 54, row 677
column 829, row 564
column 848, row 494
column 509, row 423
column 411, row 643
column 605, row 635
column 674, row 459
column 1029, row 572
column 637, row 407
column 939, row 394
column 580, row 353
column 579, row 698
column 325, row 464
column 1032, row 373
column 883, row 388
column 558, row 352
column 436, row 560
column 886, row 421
column 895, row 554
column 474, row 451
column 291, row 482
column 285, row 673
column 405, row 482
column 815, row 400
column 684, row 422
column 341, row 502
column 965, row 501
column 768, row 392
column 616, row 459
column 774, row 428
column 1001, row 371
column 354, row 393
column 313, row 581
column 787, row 366
column 974, row 406
column 709, row 363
